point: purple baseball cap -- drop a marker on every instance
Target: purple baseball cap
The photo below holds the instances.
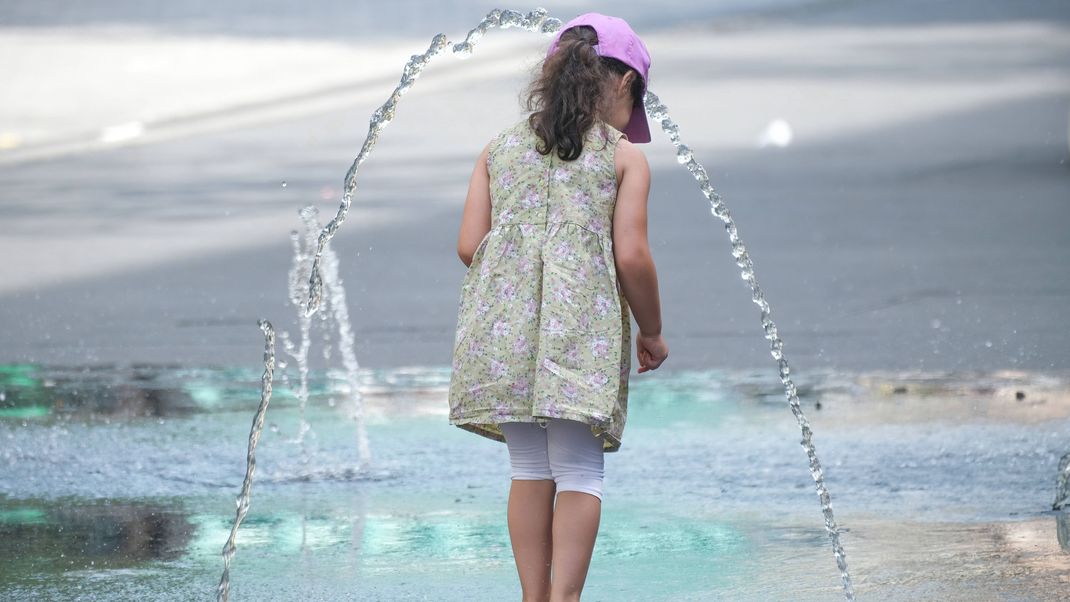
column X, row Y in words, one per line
column 617, row 40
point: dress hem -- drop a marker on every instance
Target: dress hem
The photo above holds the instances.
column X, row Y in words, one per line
column 478, row 422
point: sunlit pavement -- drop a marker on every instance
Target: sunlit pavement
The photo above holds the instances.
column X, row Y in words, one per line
column 915, row 220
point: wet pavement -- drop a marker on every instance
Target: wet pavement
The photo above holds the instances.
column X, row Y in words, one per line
column 124, row 488
column 915, row 222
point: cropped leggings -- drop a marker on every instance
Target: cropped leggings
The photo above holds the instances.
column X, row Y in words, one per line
column 564, row 451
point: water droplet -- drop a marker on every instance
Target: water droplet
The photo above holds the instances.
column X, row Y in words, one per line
column 683, row 154
column 284, row 183
column 551, row 26
column 988, row 343
column 463, row 50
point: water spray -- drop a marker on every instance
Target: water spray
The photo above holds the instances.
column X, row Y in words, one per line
column 538, row 21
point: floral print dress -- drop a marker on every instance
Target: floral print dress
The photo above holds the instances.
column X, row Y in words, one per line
column 543, row 330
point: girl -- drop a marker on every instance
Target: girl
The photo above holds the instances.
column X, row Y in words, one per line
column 554, row 237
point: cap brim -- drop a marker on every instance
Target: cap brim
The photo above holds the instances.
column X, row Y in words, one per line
column 638, row 130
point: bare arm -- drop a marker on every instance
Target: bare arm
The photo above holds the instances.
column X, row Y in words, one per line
column 475, row 222
column 631, row 252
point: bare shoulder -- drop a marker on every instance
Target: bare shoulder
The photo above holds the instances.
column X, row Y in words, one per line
column 630, row 159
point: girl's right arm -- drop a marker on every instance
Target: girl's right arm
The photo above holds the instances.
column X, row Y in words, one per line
column 475, row 220
column 631, row 252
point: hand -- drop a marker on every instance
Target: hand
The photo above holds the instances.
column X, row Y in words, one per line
column 651, row 351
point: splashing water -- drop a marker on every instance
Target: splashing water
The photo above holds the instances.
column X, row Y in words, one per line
column 538, row 21
column 250, row 460
column 299, row 272
column 338, row 318
column 338, row 314
column 1062, row 486
column 336, row 301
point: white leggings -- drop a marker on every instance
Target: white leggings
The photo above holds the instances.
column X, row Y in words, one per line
column 564, row 451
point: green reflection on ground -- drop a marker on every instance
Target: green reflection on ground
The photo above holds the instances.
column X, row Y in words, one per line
column 22, row 393
column 39, row 538
column 49, row 539
column 22, row 516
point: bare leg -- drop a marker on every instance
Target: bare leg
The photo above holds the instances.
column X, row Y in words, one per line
column 575, row 527
column 531, row 512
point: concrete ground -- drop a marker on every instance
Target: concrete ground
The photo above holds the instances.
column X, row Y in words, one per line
column 916, row 221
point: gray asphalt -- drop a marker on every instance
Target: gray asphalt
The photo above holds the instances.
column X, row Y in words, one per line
column 938, row 244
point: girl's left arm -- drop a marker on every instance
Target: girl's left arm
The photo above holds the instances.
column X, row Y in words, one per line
column 475, row 222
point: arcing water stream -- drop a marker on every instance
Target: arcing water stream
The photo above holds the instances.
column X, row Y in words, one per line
column 660, row 113
column 322, row 274
column 538, row 21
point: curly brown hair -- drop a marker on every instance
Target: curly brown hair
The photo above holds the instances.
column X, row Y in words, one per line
column 569, row 91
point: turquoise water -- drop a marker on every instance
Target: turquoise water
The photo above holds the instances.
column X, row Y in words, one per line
column 119, row 483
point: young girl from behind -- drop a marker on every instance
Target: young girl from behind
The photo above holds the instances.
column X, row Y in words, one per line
column 554, row 234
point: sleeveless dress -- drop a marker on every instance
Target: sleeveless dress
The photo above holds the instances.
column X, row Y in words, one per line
column 543, row 330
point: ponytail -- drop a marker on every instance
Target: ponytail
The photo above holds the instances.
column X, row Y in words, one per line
column 567, row 95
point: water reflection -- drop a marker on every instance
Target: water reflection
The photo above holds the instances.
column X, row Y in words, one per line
column 29, row 391
column 33, row 392
column 58, row 536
